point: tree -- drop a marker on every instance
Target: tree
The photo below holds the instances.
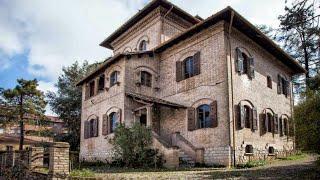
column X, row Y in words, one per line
column 22, row 101
column 66, row 102
column 300, row 35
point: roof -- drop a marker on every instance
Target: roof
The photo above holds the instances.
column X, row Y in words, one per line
column 142, row 13
column 108, row 62
column 243, row 26
column 154, row 100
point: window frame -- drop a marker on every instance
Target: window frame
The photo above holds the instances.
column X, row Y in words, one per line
column 113, row 122
column 114, row 78
column 188, row 65
column 143, row 45
column 271, row 151
column 204, row 110
column 146, row 79
column 101, row 83
column 91, row 88
column 249, row 150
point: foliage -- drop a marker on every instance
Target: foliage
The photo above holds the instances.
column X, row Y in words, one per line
column 132, row 147
column 42, row 133
column 18, row 171
column 66, row 102
column 307, row 121
column 251, row 164
column 82, row 173
column 294, row 157
column 25, row 99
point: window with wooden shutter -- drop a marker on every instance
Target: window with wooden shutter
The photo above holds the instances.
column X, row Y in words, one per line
column 214, row 113
column 138, row 78
column 241, row 116
column 179, row 76
column 95, row 127
column 119, row 116
column 251, row 71
column 281, row 126
column 254, row 119
column 86, row 129
column 105, row 124
column 239, row 61
column 279, row 85
column 196, row 63
column 264, row 123
column 275, row 124
column 191, row 119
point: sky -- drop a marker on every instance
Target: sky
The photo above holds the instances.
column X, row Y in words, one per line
column 38, row 38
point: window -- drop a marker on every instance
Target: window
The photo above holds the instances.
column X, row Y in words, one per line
column 283, row 86
column 247, row 112
column 146, row 79
column 9, row 148
column 91, row 89
column 269, row 122
column 188, row 67
column 143, row 45
column 269, row 82
column 204, row 120
column 113, row 121
column 101, row 83
column 271, row 150
column 249, row 149
column 285, row 126
column 113, row 78
column 244, row 63
column 91, row 128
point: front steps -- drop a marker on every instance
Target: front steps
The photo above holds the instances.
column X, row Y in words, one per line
column 185, row 160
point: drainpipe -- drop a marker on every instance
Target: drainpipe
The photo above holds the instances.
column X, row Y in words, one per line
column 232, row 120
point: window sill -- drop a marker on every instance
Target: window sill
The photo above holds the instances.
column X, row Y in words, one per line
column 272, row 154
column 248, row 154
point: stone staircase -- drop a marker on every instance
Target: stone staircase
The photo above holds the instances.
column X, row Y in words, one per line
column 185, row 160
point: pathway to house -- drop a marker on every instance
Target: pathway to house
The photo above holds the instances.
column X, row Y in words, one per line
column 296, row 169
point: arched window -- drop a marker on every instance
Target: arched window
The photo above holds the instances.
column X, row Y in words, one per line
column 146, row 78
column 113, row 78
column 204, row 120
column 269, row 82
column 143, row 45
column 113, row 121
column 188, row 66
column 269, row 122
column 247, row 118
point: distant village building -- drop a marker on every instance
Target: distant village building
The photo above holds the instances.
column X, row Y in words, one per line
column 213, row 91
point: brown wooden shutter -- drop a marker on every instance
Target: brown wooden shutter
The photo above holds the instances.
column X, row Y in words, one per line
column 275, row 124
column 197, row 63
column 214, row 113
column 279, row 85
column 287, row 88
column 86, row 129
column 119, row 116
column 251, row 70
column 264, row 123
column 239, row 61
column 191, row 119
column 96, row 127
column 138, row 78
column 254, row 118
column 87, row 91
column 282, row 127
column 242, row 116
column 105, row 124
column 179, row 75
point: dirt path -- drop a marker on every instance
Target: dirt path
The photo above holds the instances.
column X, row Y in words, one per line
column 297, row 169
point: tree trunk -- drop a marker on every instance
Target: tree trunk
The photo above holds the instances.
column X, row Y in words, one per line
column 21, row 142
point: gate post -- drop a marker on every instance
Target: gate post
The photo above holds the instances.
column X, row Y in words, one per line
column 59, row 161
column 36, row 157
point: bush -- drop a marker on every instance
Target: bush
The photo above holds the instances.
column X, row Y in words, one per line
column 251, row 164
column 132, row 147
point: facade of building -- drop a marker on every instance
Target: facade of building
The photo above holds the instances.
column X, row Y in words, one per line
column 213, row 91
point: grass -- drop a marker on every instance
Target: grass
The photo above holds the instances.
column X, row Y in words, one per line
column 82, row 173
column 294, row 157
column 252, row 164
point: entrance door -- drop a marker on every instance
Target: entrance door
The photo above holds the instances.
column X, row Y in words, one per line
column 143, row 119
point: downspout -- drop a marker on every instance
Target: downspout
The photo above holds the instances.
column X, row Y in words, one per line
column 233, row 144
column 292, row 117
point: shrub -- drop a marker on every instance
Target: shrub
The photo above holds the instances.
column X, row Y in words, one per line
column 251, row 164
column 132, row 147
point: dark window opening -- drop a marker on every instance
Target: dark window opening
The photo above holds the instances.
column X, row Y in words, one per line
column 270, row 120
column 113, row 78
column 91, row 128
column 188, row 67
column 146, row 79
column 91, row 89
column 269, row 82
column 143, row 119
column 271, row 150
column 247, row 112
column 113, row 121
column 245, row 63
column 284, row 87
column 204, row 120
column 101, row 83
column 143, row 45
column 249, row 149
column 285, row 126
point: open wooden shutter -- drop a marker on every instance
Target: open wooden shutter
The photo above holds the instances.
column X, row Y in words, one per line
column 138, row 78
column 279, row 85
column 87, row 91
column 86, row 129
column 105, row 124
column 119, row 116
column 197, row 63
column 239, row 61
column 214, row 113
column 287, row 88
column 179, row 75
column 281, row 127
column 254, row 119
column 251, row 70
column 242, row 116
column 191, row 119
column 275, row 124
column 264, row 123
column 96, row 127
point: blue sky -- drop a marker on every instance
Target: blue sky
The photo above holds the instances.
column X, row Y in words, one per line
column 38, row 38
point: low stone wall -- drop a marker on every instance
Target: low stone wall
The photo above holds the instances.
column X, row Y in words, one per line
column 218, row 156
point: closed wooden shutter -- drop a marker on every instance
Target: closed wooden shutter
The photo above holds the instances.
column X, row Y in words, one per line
column 264, row 123
column 279, row 85
column 87, row 92
column 239, row 61
column 242, row 116
column 275, row 124
column 251, row 70
column 86, row 129
column 95, row 127
column 197, row 63
column 179, row 75
column 105, row 124
column 214, row 113
column 254, row 118
column 191, row 119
